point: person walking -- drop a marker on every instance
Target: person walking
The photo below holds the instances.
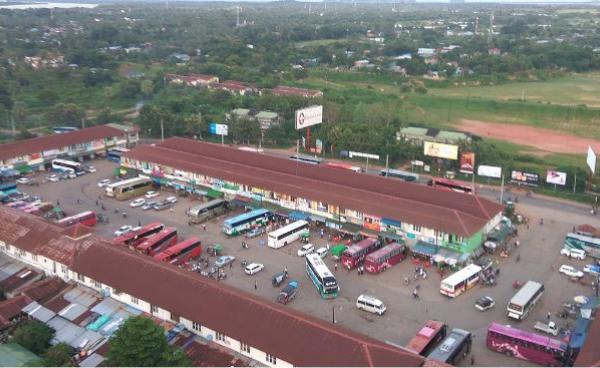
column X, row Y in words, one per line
column 204, row 227
column 255, row 285
column 548, row 316
column 335, row 266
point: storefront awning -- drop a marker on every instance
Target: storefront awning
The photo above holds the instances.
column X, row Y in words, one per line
column 298, row 215
column 425, row 249
column 391, row 236
column 213, row 193
column 24, row 169
column 350, row 229
column 390, row 222
column 318, row 218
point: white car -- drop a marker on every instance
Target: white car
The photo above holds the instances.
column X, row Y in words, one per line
column 306, row 249
column 254, row 268
column 573, row 253
column 104, row 182
column 322, row 252
column 123, row 230
column 22, row 181
column 91, row 169
column 71, row 175
column 171, row 199
column 152, row 194
column 53, row 178
column 570, row 271
column 137, row 202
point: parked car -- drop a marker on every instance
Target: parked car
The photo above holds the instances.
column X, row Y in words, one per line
column 593, row 269
column 279, row 278
column 148, row 205
column 151, row 194
column 171, row 199
column 224, row 261
column 484, row 303
column 123, row 230
column 162, row 205
column 485, row 263
column 23, row 181
column 104, row 182
column 53, row 178
column 573, row 253
column 137, row 202
column 90, row 169
column 254, row 268
column 257, row 231
column 370, row 304
column 550, row 328
column 288, row 293
column 322, row 252
column 570, row 271
column 71, row 175
column 306, row 249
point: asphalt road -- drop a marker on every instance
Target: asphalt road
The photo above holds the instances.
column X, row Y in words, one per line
column 539, row 260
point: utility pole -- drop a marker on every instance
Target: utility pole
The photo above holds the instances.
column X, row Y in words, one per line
column 387, row 166
column 575, row 183
column 333, row 314
column 83, row 122
column 502, row 189
column 162, row 130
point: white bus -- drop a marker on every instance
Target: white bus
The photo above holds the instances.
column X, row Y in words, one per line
column 67, row 166
column 460, row 281
column 287, row 234
column 524, row 300
column 129, row 188
column 321, row 276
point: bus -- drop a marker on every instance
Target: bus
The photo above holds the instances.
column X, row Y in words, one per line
column 528, row 346
column 87, row 218
column 115, row 154
column 341, row 166
column 524, row 300
column 208, row 210
column 384, row 258
column 63, row 129
column 451, row 185
column 460, row 281
column 589, row 244
column 134, row 238
column 399, row 174
column 244, row 222
column 454, row 347
column 287, row 234
column 158, row 242
column 129, row 188
column 8, row 188
column 355, row 255
column 320, row 275
column 181, row 253
column 428, row 336
column 61, row 165
column 306, row 159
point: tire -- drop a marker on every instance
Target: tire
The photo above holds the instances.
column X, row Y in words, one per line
column 508, row 353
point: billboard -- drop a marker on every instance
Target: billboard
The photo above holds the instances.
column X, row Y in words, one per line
column 591, row 159
column 489, row 171
column 309, row 116
column 526, row 178
column 467, row 162
column 556, row 177
column 363, row 155
column 218, row 129
column 441, row 150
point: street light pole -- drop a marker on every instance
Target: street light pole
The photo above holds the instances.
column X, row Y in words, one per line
column 333, row 313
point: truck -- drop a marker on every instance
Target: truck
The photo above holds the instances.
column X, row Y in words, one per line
column 592, row 269
column 549, row 328
column 288, row 293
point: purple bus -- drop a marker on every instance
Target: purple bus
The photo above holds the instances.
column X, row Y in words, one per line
column 527, row 346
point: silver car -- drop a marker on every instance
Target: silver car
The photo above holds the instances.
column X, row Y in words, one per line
column 224, row 261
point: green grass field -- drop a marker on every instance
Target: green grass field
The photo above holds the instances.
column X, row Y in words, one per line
column 578, row 89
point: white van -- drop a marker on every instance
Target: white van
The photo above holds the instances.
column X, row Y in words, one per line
column 370, row 304
column 321, row 252
column 573, row 253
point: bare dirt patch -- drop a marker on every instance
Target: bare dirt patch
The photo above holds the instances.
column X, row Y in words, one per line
column 539, row 138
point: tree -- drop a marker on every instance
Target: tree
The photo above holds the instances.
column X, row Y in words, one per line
column 58, row 355
column 25, row 134
column 141, row 343
column 19, row 112
column 65, row 114
column 34, row 336
column 244, row 130
column 5, row 98
column 146, row 87
column 105, row 116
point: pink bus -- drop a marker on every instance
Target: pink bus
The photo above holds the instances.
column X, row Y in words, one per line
column 381, row 259
column 355, row 254
column 528, row 346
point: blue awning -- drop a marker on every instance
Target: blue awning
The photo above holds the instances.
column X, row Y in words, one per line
column 390, row 222
column 318, row 218
column 298, row 215
column 425, row 249
column 579, row 333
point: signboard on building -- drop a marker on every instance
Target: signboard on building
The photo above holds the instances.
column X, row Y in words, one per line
column 489, row 171
column 440, row 150
column 417, row 163
column 467, row 162
column 319, row 145
column 363, row 155
column 591, row 159
column 309, row 116
column 556, row 177
column 526, row 178
column 218, row 129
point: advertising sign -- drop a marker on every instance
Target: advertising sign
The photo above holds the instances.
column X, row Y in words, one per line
column 467, row 162
column 363, row 155
column 556, row 177
column 319, row 145
column 591, row 159
column 441, row 150
column 218, row 129
column 417, row 163
column 489, row 171
column 526, row 178
column 309, row 116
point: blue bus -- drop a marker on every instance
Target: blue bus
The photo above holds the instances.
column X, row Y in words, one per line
column 589, row 244
column 321, row 276
column 244, row 222
column 115, row 154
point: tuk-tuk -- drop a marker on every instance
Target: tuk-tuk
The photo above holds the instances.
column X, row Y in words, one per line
column 305, row 236
column 279, row 278
column 337, row 250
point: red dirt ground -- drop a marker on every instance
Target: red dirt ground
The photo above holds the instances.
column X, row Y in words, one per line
column 542, row 139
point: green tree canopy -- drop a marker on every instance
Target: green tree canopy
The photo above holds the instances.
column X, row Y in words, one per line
column 65, row 114
column 142, row 343
column 58, row 356
column 34, row 336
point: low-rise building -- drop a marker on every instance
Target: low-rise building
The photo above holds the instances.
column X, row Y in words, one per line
column 235, row 87
column 419, row 135
column 192, row 80
column 295, row 91
column 266, row 119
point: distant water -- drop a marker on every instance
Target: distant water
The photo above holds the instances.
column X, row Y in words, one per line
column 47, row 6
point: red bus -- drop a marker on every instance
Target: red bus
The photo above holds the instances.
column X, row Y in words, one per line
column 450, row 185
column 428, row 337
column 355, row 254
column 341, row 166
column 381, row 259
column 182, row 252
column 134, row 238
column 87, row 218
column 159, row 241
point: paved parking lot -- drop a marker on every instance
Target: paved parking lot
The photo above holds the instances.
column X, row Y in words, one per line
column 539, row 260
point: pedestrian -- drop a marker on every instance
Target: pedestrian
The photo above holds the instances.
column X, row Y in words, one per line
column 322, row 233
column 285, row 270
column 472, row 359
column 96, row 202
column 231, row 265
column 573, row 228
column 327, row 246
column 255, row 285
column 78, row 201
column 548, row 316
column 57, row 202
column 139, row 223
column 335, row 266
column 204, row 227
